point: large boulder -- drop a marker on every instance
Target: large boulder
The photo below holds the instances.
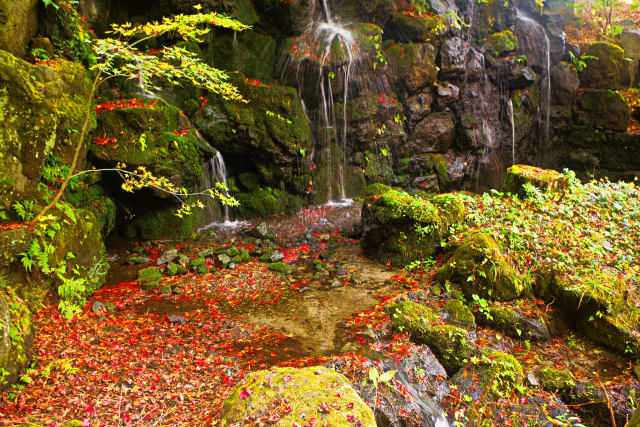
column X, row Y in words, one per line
column 565, row 83
column 18, row 23
column 607, row 69
column 400, row 228
column 604, row 108
column 630, row 43
column 294, row 396
column 40, row 108
column 479, row 267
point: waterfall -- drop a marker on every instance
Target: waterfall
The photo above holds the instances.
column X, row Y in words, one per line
column 215, row 171
column 329, row 63
column 513, row 132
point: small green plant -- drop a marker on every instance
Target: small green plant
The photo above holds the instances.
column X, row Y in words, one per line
column 376, row 378
column 24, row 209
column 578, row 64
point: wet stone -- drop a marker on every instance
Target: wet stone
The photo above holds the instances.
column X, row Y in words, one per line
column 138, row 259
column 276, row 256
column 168, row 256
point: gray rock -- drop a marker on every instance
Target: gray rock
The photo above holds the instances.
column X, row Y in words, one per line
column 138, row 259
column 168, row 256
column 276, row 256
column 260, row 231
column 223, row 260
column 97, row 307
column 565, row 84
column 434, row 134
column 175, row 318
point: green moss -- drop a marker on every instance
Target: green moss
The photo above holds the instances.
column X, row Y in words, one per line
column 150, row 277
column 280, row 267
column 501, row 44
column 450, row 206
column 459, row 313
column 448, row 342
column 305, row 390
column 266, row 201
column 164, row 224
column 552, row 379
column 544, row 179
column 480, row 268
column 15, row 335
column 376, row 189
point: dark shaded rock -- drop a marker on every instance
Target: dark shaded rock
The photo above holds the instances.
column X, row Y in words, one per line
column 591, row 106
column 18, row 23
column 447, row 94
column 411, row 65
column 608, row 71
column 16, row 335
column 434, row 134
column 630, row 43
column 565, row 83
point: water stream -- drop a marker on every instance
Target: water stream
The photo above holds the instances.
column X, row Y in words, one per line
column 513, row 132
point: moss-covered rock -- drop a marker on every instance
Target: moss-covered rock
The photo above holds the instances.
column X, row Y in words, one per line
column 401, row 228
column 449, row 343
column 40, row 106
column 142, row 134
column 601, row 308
column 479, row 267
column 150, row 277
column 266, row 201
column 606, row 69
column 602, row 108
column 413, row 65
column 280, row 267
column 271, row 130
column 457, row 312
column 410, row 28
column 164, row 224
column 509, row 321
column 16, row 334
column 501, row 44
column 543, row 179
column 314, row 392
column 19, row 24
column 552, row 379
column 492, row 374
column 97, row 201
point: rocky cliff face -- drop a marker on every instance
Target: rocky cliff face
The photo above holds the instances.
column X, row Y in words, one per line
column 440, row 96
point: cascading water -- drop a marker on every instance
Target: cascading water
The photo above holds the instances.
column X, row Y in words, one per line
column 215, row 171
column 513, row 132
column 334, row 54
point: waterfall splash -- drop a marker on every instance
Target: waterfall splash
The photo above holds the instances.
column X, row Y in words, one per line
column 513, row 132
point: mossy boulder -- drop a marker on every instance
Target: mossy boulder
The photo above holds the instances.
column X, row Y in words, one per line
column 313, row 392
column 479, row 267
column 607, row 69
column 249, row 52
column 163, row 223
column 449, row 343
column 97, row 201
column 279, row 267
column 270, row 130
column 150, row 277
column 390, row 220
column 409, row 28
column 602, row 108
column 19, row 25
column 16, row 335
column 456, row 312
column 142, row 134
column 501, row 44
column 511, row 322
column 552, row 379
column 492, row 374
column 543, row 179
column 266, row 201
column 600, row 305
column 40, row 106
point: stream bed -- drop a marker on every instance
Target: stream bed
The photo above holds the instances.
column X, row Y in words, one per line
column 159, row 358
